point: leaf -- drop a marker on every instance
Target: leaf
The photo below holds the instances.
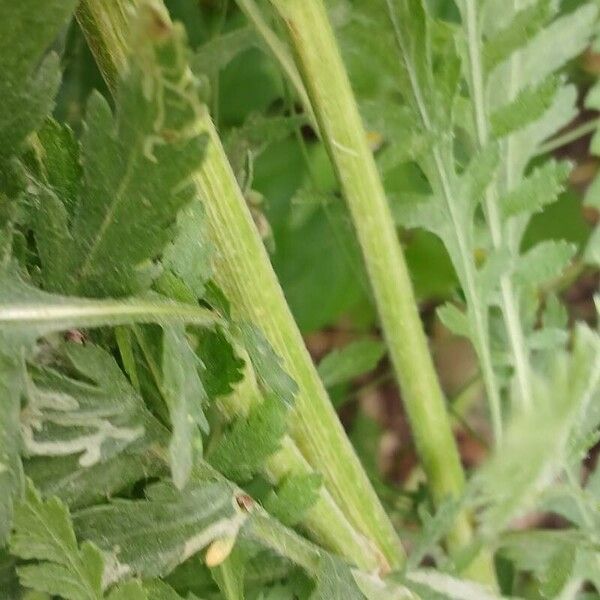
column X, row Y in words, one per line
column 432, row 585
column 527, row 107
column 130, row 590
column 159, row 590
column 435, row 527
column 96, row 416
column 151, row 537
column 540, row 188
column 267, row 365
column 559, row 42
column 524, row 25
column 137, row 166
column 79, row 486
column 189, row 255
column 454, row 320
column 215, row 54
column 244, row 447
column 293, row 497
column 344, row 364
column 185, row 398
column 43, row 532
column 335, row 581
column 27, row 313
column 28, row 80
column 507, row 486
column 223, row 368
column 11, row 470
column 544, row 262
column 229, row 575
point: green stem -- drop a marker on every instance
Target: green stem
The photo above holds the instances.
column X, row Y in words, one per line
column 323, row 520
column 441, row 178
column 244, row 272
column 342, row 130
column 508, row 299
column 569, row 136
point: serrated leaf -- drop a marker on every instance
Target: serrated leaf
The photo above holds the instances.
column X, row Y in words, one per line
column 189, row 255
column 79, row 486
column 559, row 42
column 43, row 532
column 527, row 107
column 223, row 368
column 540, row 188
column 478, row 176
column 96, row 416
column 185, row 398
column 159, row 590
column 151, row 537
column 356, row 358
column 244, row 447
column 507, row 486
column 28, row 81
column 137, row 166
column 435, row 527
column 544, row 262
column 524, row 25
column 293, row 497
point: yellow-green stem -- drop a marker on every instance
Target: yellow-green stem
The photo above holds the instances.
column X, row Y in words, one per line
column 341, row 128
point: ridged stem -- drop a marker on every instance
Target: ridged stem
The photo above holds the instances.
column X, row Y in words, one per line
column 341, row 129
column 244, row 272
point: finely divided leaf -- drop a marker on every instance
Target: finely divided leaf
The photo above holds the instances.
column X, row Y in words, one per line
column 137, row 166
column 151, row 537
column 28, row 81
column 347, row 363
column 244, row 447
column 43, row 532
column 96, row 416
column 540, row 188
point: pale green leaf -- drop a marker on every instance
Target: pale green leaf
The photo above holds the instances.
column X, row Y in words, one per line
column 218, row 52
column 454, row 319
column 527, row 107
column 540, row 188
column 548, row 51
column 524, row 25
column 267, row 365
column 433, row 585
column 11, row 471
column 344, row 364
column 189, row 255
column 544, row 262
